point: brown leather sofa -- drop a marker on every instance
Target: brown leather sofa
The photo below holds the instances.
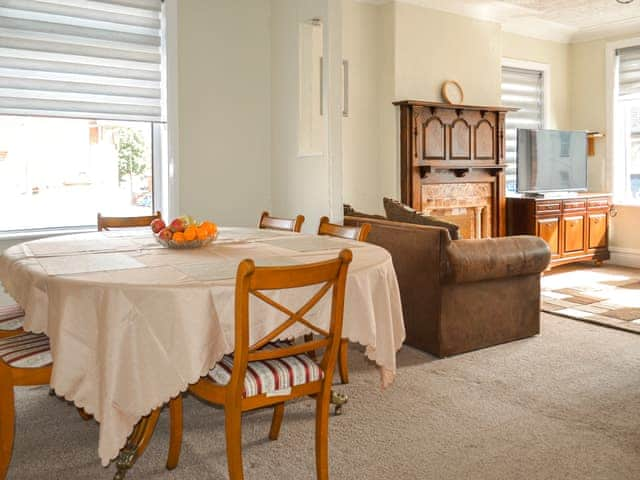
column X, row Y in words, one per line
column 461, row 295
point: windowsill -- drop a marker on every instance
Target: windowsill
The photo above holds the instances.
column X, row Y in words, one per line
column 42, row 233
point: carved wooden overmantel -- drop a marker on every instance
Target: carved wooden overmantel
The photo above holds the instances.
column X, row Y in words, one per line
column 443, row 144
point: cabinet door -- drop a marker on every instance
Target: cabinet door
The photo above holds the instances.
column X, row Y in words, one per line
column 548, row 229
column 574, row 234
column 597, row 230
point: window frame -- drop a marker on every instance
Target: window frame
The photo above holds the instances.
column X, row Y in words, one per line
column 545, row 70
column 164, row 144
column 615, row 181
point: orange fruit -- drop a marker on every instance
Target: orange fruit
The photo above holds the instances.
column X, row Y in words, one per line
column 190, row 233
column 210, row 226
column 178, row 237
column 202, row 233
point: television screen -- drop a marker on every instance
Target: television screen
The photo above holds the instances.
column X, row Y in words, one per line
column 551, row 161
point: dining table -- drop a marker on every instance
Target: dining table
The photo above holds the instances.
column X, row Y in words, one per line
column 132, row 323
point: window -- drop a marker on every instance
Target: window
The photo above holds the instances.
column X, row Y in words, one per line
column 82, row 115
column 627, row 124
column 524, row 89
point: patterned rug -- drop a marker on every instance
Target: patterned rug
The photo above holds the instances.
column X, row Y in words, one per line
column 607, row 296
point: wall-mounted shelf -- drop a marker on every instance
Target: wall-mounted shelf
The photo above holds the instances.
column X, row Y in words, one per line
column 591, row 142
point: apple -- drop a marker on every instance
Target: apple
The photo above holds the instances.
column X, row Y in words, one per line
column 165, row 234
column 157, row 225
column 177, row 225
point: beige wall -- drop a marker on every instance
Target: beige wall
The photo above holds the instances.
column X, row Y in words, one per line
column 434, row 46
column 588, row 105
column 224, row 109
column 307, row 184
column 361, row 44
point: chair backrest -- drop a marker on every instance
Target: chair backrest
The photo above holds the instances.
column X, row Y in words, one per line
column 254, row 281
column 352, row 233
column 106, row 223
column 275, row 223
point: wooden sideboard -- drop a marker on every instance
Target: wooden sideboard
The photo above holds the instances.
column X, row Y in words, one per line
column 576, row 228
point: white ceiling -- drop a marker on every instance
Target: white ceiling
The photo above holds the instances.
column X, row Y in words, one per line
column 559, row 20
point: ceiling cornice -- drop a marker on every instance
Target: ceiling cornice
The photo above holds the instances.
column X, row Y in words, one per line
column 522, row 21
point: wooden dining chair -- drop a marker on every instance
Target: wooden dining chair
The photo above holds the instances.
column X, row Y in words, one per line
column 275, row 223
column 107, row 223
column 268, row 373
column 25, row 360
column 351, row 233
column 11, row 320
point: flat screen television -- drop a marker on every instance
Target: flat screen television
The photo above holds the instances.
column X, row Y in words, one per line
column 551, row 161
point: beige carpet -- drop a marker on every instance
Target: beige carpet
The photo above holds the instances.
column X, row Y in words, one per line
column 608, row 296
column 563, row 405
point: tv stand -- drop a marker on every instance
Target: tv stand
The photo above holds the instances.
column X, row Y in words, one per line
column 552, row 195
column 576, row 228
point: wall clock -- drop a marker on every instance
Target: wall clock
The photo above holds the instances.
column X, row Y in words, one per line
column 452, row 92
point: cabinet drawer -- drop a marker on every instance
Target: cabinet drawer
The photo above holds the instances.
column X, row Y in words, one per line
column 573, row 205
column 598, row 203
column 550, row 207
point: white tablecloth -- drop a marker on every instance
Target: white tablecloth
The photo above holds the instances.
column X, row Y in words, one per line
column 132, row 324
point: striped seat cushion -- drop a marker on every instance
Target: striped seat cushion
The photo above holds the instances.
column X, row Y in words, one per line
column 270, row 376
column 26, row 350
column 11, row 317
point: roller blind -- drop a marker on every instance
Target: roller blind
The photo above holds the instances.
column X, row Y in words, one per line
column 523, row 89
column 97, row 59
column 628, row 73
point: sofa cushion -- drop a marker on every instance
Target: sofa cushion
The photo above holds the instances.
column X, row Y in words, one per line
column 399, row 212
column 270, row 376
column 349, row 211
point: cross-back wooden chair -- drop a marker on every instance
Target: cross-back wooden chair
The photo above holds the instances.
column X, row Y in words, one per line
column 11, row 320
column 107, row 223
column 276, row 223
column 25, row 359
column 351, row 233
column 265, row 374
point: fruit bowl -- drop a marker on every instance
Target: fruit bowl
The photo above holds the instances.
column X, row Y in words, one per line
column 184, row 232
column 185, row 245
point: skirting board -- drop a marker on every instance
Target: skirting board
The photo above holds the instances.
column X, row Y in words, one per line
column 625, row 257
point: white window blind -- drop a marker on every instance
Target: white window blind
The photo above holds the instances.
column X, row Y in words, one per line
column 523, row 89
column 628, row 73
column 97, row 59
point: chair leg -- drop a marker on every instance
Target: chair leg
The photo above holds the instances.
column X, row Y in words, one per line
column 276, row 421
column 308, row 337
column 343, row 361
column 322, row 433
column 233, row 432
column 83, row 414
column 7, row 420
column 175, row 434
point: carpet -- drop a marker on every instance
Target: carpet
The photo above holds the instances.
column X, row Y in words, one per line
column 561, row 405
column 608, row 296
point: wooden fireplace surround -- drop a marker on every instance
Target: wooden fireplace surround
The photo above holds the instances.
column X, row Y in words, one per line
column 446, row 144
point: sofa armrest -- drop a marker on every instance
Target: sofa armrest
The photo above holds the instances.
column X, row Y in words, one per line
column 493, row 258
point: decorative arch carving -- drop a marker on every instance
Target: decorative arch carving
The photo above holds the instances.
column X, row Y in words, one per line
column 434, row 139
column 460, row 139
column 484, row 144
